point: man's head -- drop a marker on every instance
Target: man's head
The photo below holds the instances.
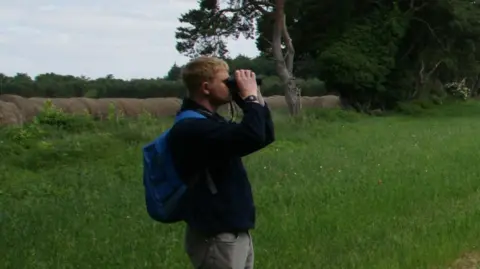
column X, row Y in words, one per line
column 204, row 78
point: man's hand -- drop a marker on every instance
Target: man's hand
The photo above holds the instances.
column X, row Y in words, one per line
column 247, row 83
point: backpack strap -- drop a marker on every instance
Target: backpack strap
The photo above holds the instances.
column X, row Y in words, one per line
column 189, row 114
column 194, row 114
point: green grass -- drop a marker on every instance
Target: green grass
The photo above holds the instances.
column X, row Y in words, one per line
column 336, row 190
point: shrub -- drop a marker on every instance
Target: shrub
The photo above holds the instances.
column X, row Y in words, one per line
column 459, row 89
column 55, row 117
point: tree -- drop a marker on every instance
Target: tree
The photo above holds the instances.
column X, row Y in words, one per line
column 210, row 25
column 174, row 73
column 376, row 54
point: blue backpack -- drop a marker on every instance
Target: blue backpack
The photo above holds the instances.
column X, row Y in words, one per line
column 164, row 189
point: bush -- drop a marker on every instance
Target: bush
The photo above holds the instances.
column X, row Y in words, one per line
column 55, row 117
column 459, row 89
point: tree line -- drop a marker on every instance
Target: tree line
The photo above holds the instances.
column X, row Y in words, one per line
column 54, row 85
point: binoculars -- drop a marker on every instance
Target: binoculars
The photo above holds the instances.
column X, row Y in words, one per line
column 231, row 83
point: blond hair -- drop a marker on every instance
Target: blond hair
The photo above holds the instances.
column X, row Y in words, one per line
column 201, row 69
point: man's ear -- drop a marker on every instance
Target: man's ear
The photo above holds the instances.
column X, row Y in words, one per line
column 205, row 88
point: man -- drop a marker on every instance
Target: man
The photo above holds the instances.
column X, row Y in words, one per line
column 207, row 154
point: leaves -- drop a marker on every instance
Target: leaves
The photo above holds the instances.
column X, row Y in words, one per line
column 209, row 25
column 365, row 54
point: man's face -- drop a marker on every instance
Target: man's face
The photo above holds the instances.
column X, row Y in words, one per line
column 218, row 92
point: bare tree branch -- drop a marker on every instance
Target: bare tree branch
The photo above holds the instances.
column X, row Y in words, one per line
column 420, row 73
column 434, row 68
column 432, row 31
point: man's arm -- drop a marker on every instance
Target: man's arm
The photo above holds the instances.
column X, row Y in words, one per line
column 227, row 139
column 269, row 127
column 222, row 139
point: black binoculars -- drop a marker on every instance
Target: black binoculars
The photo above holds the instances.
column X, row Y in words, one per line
column 231, row 83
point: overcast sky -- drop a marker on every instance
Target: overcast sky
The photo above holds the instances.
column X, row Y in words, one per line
column 126, row 38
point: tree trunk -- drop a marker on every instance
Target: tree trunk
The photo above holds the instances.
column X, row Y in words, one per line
column 284, row 65
column 421, row 91
column 476, row 86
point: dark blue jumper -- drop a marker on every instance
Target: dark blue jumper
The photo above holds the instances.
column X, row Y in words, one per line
column 217, row 145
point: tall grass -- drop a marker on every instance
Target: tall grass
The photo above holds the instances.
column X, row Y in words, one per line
column 336, row 190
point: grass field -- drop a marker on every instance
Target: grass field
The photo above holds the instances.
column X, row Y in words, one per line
column 336, row 190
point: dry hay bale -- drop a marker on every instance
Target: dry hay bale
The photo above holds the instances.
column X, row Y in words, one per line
column 308, row 101
column 77, row 106
column 90, row 104
column 103, row 107
column 161, row 107
column 28, row 109
column 39, row 102
column 67, row 105
column 276, row 101
column 132, row 107
column 328, row 101
column 64, row 104
column 58, row 103
column 10, row 114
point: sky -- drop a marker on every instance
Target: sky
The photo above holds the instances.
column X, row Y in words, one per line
column 129, row 39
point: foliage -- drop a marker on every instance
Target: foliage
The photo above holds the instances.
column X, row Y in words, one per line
column 360, row 60
column 54, row 86
column 54, row 116
column 372, row 186
column 35, row 137
column 459, row 89
column 380, row 65
column 207, row 27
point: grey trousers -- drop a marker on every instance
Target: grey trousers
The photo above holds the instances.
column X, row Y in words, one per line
column 223, row 251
